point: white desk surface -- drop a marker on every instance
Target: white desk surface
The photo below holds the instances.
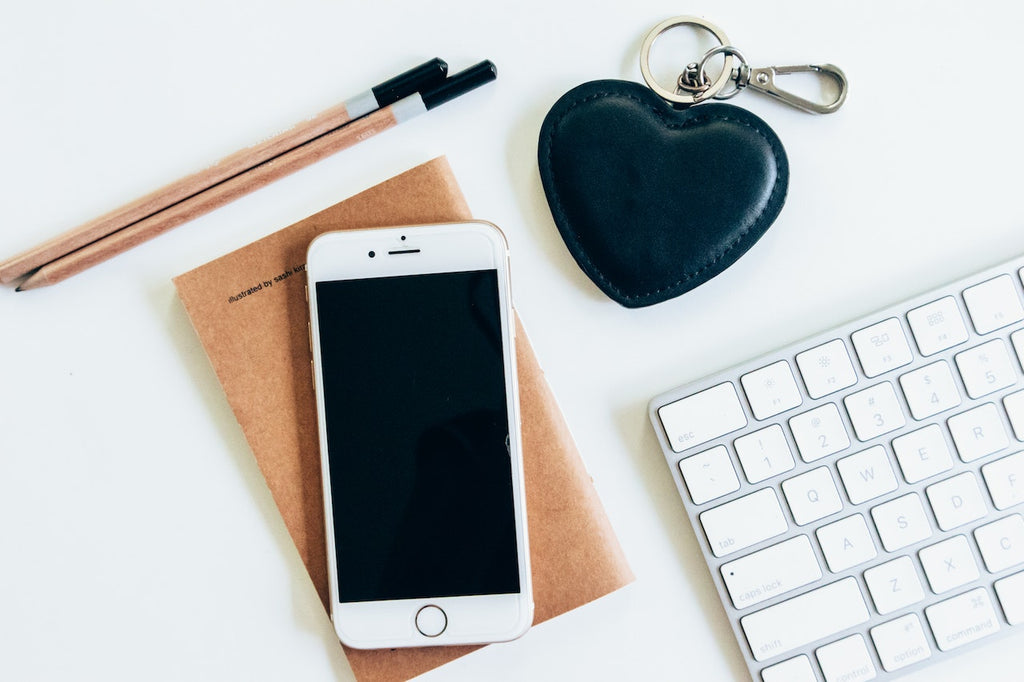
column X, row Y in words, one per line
column 137, row 538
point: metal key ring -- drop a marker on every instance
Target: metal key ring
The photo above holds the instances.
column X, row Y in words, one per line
column 729, row 51
column 675, row 97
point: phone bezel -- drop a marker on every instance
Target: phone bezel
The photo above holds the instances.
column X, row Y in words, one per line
column 411, row 250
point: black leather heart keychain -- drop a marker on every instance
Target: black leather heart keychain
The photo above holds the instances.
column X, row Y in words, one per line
column 653, row 196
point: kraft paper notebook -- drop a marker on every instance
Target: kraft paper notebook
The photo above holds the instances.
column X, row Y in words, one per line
column 250, row 312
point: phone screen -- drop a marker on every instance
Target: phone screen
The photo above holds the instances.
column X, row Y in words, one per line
column 417, row 434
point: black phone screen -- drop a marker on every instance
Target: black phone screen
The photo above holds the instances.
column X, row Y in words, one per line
column 417, row 436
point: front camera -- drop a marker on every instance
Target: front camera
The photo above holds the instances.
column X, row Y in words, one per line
column 371, row 254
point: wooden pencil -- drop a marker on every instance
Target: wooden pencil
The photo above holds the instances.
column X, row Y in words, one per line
column 212, row 198
column 263, row 174
column 425, row 75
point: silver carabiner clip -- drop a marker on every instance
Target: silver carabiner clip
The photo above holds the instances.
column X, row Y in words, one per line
column 695, row 86
column 763, row 80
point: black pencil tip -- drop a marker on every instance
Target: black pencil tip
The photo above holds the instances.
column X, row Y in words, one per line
column 17, row 288
column 425, row 76
column 460, row 83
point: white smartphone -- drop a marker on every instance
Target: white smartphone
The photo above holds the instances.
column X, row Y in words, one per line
column 414, row 365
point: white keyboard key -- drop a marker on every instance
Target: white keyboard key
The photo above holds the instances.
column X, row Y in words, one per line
column 1018, row 345
column 874, row 411
column 963, row 619
column 819, row 432
column 791, row 624
column 846, row 660
column 901, row 642
column 1005, row 480
column 937, row 325
column 812, row 496
column 826, row 368
column 986, row 368
column 930, row 389
column 846, row 543
column 901, row 522
column 882, row 347
column 978, row 433
column 993, row 304
column 796, row 669
column 764, row 453
column 922, row 453
column 949, row 564
column 956, row 501
column 867, row 475
column 1011, row 596
column 1014, row 406
column 709, row 474
column 770, row 572
column 771, row 390
column 743, row 522
column 894, row 585
column 1001, row 543
column 702, row 416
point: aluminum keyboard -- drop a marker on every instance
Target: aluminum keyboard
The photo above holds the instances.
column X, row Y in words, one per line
column 856, row 495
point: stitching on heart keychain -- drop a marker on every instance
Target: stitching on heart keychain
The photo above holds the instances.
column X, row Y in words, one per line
column 674, row 125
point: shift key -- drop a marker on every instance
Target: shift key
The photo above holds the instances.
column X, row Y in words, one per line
column 792, row 624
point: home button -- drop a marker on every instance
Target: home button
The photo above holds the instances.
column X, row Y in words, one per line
column 431, row 621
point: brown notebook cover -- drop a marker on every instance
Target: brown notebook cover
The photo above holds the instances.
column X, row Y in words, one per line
column 250, row 311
